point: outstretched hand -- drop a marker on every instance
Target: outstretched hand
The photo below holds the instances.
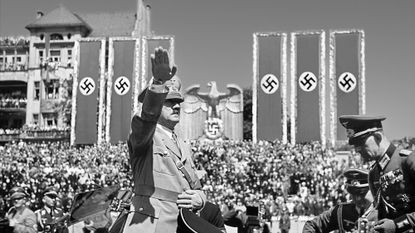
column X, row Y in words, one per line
column 160, row 66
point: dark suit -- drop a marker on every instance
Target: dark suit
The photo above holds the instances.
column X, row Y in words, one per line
column 392, row 181
column 157, row 180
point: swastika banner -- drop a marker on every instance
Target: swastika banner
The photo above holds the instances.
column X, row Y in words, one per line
column 307, row 86
column 123, row 74
column 88, row 92
column 347, row 78
column 269, row 87
column 149, row 44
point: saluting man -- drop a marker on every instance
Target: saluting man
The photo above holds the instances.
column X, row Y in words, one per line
column 164, row 174
column 344, row 216
column 392, row 174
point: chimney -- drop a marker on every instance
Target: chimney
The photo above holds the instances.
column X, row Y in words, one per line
column 39, row 14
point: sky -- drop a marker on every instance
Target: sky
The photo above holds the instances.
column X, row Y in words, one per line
column 213, row 40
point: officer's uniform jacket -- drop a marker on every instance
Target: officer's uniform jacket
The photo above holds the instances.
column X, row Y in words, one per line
column 343, row 217
column 157, row 179
column 46, row 220
column 26, row 220
column 392, row 180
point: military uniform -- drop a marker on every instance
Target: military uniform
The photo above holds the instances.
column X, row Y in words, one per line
column 47, row 218
column 344, row 217
column 392, row 179
column 392, row 174
column 50, row 219
column 23, row 219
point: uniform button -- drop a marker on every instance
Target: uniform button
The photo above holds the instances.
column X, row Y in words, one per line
column 387, row 198
column 140, row 209
column 381, row 173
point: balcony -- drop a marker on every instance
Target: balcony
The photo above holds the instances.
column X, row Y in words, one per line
column 13, row 105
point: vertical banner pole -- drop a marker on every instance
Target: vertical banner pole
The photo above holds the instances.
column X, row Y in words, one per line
column 308, row 87
column 269, row 86
column 347, row 78
column 88, row 87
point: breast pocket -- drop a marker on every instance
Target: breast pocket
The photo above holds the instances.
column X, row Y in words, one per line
column 162, row 162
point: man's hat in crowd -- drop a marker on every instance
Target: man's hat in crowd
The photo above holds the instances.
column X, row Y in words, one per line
column 189, row 222
column 359, row 127
column 357, row 181
column 17, row 193
column 50, row 191
column 174, row 85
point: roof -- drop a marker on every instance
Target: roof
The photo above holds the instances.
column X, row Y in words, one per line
column 58, row 17
column 110, row 24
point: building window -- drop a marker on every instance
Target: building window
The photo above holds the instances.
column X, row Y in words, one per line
column 41, row 56
column 52, row 89
column 41, row 36
column 56, row 36
column 69, row 57
column 50, row 119
column 69, row 36
column 35, row 119
column 55, row 55
column 19, row 59
column 37, row 91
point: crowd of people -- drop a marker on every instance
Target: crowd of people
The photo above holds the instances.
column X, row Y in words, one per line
column 8, row 101
column 301, row 179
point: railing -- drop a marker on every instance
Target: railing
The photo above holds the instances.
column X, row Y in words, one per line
column 13, row 67
column 44, row 135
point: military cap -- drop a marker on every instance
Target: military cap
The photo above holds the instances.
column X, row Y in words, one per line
column 360, row 126
column 189, row 222
column 50, row 191
column 357, row 181
column 17, row 192
column 174, row 86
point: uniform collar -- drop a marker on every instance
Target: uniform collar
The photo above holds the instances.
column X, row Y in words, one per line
column 165, row 130
column 386, row 157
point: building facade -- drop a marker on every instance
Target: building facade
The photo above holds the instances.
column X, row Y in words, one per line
column 36, row 71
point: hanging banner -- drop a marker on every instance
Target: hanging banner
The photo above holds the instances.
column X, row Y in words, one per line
column 88, row 91
column 269, row 87
column 347, row 78
column 308, row 87
column 122, row 87
column 149, row 44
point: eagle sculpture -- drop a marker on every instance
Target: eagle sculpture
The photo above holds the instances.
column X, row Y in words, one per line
column 199, row 106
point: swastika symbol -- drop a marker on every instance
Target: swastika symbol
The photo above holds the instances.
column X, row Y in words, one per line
column 87, row 86
column 122, row 85
column 307, row 81
column 213, row 128
column 347, row 82
column 269, row 84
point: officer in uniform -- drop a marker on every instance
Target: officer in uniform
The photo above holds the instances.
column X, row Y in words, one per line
column 392, row 174
column 344, row 216
column 20, row 217
column 50, row 219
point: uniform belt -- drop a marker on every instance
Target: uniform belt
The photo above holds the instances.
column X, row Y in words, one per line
column 155, row 192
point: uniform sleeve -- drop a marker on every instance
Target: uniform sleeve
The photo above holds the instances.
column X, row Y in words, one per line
column 143, row 127
column 324, row 223
column 28, row 225
column 407, row 221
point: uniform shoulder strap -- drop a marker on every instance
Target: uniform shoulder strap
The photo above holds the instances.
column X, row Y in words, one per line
column 340, row 218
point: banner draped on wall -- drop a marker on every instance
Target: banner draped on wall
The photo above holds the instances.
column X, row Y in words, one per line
column 88, row 91
column 308, row 87
column 347, row 78
column 269, row 87
column 122, row 87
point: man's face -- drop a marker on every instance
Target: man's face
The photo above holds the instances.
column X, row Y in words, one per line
column 18, row 202
column 50, row 200
column 367, row 148
column 170, row 113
